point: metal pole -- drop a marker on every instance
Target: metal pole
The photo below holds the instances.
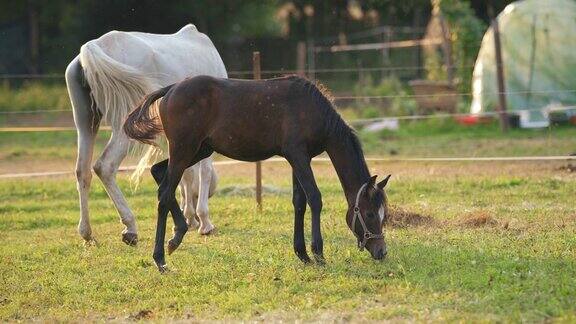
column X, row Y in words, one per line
column 499, row 71
column 257, row 76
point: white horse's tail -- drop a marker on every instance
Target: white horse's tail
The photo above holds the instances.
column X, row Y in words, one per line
column 153, row 153
column 116, row 88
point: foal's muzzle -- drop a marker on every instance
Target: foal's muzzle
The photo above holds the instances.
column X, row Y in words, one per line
column 379, row 253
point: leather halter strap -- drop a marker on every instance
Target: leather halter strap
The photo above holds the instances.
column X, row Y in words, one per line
column 358, row 215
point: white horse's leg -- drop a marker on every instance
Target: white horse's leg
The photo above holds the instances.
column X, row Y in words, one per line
column 189, row 197
column 86, row 121
column 206, row 171
column 106, row 168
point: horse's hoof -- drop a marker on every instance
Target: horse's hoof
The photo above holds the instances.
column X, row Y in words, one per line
column 130, row 238
column 90, row 242
column 163, row 269
column 207, row 230
column 304, row 257
column 172, row 246
column 320, row 260
column 192, row 223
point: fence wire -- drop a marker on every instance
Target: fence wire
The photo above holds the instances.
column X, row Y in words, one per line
column 250, row 72
column 353, row 97
column 322, row 160
column 353, row 121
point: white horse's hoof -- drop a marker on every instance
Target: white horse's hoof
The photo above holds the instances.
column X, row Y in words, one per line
column 206, row 230
column 85, row 232
column 130, row 238
column 192, row 223
column 90, row 242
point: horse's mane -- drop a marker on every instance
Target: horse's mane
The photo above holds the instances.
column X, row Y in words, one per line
column 334, row 125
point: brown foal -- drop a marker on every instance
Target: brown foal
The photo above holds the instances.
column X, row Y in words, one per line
column 252, row 121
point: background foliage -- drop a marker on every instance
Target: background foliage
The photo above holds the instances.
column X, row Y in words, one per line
column 64, row 25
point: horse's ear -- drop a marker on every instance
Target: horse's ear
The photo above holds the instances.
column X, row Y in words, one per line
column 370, row 187
column 372, row 181
column 383, row 183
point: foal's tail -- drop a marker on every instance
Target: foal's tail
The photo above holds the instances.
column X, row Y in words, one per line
column 143, row 124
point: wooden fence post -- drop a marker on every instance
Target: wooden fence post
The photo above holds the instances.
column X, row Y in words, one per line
column 499, row 70
column 257, row 76
column 311, row 60
column 301, row 59
column 447, row 48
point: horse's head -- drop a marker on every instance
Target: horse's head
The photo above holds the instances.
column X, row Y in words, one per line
column 367, row 217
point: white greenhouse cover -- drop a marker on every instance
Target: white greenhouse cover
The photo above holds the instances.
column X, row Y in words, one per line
column 539, row 57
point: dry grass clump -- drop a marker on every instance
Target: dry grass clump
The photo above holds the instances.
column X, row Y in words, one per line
column 478, row 219
column 402, row 218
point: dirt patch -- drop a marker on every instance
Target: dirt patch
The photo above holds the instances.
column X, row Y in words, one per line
column 141, row 315
column 401, row 218
column 568, row 168
column 479, row 219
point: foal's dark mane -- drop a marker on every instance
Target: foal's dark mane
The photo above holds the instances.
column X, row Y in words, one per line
column 334, row 125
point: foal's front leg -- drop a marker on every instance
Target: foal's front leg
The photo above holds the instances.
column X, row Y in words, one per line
column 303, row 171
column 299, row 202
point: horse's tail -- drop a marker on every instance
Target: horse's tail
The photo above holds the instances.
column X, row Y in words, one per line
column 143, row 124
column 115, row 87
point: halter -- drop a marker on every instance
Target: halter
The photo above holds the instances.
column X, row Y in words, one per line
column 357, row 215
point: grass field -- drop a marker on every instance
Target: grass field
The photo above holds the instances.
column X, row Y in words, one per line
column 468, row 242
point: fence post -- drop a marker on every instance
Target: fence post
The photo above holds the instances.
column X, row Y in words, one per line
column 257, row 76
column 447, row 48
column 301, row 59
column 311, row 60
column 499, row 70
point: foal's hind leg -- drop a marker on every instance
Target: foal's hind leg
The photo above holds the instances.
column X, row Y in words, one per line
column 178, row 162
column 158, row 171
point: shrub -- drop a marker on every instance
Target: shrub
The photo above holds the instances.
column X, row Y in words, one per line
column 466, row 31
column 395, row 100
column 33, row 96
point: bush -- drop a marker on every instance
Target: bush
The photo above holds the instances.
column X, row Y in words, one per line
column 396, row 102
column 466, row 32
column 34, row 96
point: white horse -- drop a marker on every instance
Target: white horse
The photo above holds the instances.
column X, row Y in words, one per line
column 107, row 80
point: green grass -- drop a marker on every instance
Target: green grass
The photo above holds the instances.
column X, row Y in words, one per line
column 522, row 268
column 444, row 137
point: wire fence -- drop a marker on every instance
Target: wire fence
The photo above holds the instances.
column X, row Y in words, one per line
column 321, row 160
column 359, row 97
column 335, row 98
column 250, row 72
column 358, row 122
